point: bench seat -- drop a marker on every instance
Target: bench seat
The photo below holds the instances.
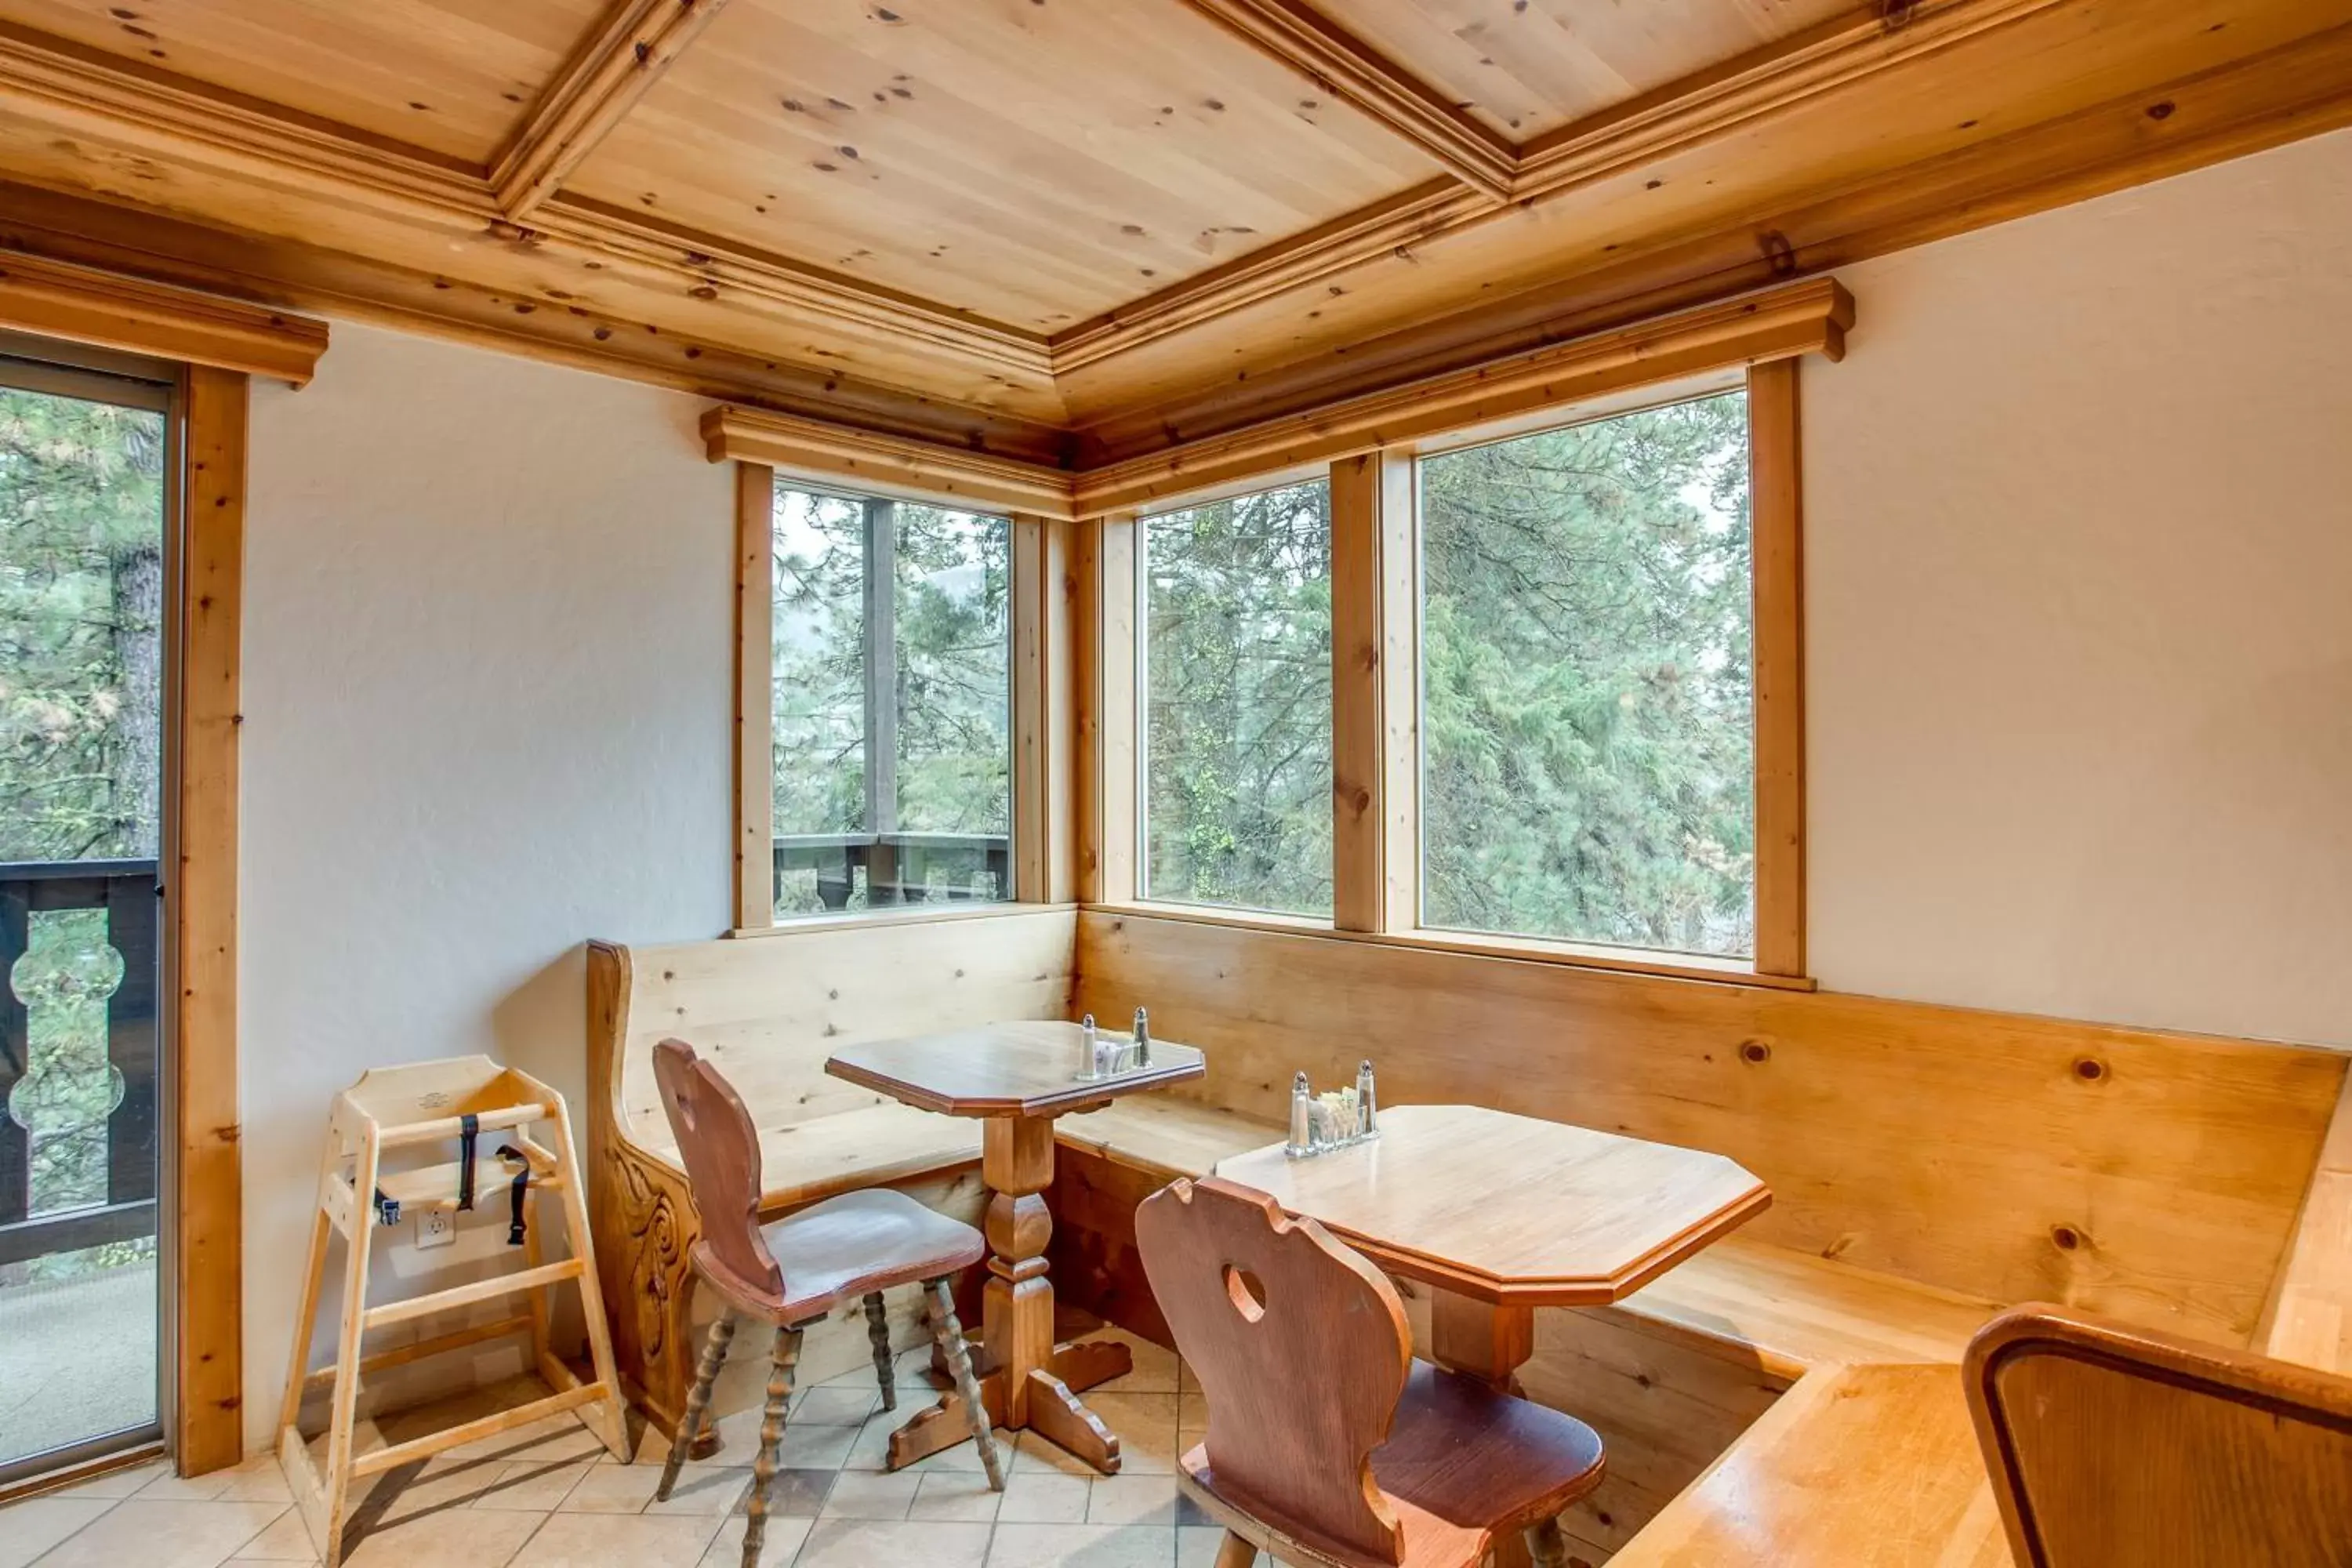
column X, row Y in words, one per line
column 802, row 1162
column 1864, row 1466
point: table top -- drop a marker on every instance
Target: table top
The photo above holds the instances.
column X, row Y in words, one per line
column 1509, row 1208
column 1024, row 1068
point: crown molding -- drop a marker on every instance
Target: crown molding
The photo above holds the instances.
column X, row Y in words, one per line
column 2297, row 90
column 612, row 68
column 70, row 88
column 1775, row 79
column 1340, row 63
column 1807, row 317
column 887, row 465
column 290, row 274
column 105, row 309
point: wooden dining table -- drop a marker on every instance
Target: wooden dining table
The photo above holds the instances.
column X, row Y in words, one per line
column 1019, row 1078
column 1499, row 1213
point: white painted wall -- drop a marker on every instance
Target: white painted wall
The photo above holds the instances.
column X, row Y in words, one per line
column 2079, row 578
column 487, row 715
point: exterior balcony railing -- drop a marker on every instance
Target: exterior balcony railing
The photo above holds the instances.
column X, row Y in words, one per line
column 891, row 868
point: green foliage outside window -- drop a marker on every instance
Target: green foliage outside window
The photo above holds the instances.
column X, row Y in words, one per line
column 952, row 692
column 81, row 599
column 1588, row 755
column 1237, row 654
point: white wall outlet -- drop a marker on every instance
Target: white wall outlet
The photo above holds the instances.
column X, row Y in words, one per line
column 434, row 1227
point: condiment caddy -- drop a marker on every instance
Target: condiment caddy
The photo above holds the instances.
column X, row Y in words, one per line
column 1336, row 1119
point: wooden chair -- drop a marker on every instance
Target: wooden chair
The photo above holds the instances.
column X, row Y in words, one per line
column 1329, row 1445
column 795, row 1271
column 2110, row 1445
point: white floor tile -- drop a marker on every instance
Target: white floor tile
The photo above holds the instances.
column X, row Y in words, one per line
column 955, row 1496
column 1082, row 1546
column 1133, row 1500
column 1043, row 1497
column 777, row 1548
column 863, row 1494
column 160, row 1534
column 587, row 1540
column 873, row 1543
column 29, row 1529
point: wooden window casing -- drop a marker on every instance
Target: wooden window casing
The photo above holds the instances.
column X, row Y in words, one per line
column 1375, row 655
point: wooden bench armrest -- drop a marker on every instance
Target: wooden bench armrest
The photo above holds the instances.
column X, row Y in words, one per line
column 1163, row 1135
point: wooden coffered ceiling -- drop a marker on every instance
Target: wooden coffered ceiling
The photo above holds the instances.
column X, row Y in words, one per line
column 1080, row 230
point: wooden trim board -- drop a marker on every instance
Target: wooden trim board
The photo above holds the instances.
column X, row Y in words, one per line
column 1045, row 718
column 107, row 309
column 755, row 759
column 1807, row 317
column 1375, row 695
column 208, row 1269
column 1777, row 647
column 895, row 466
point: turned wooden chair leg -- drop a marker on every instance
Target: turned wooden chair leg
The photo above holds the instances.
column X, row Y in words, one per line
column 698, row 1400
column 949, row 1334
column 1235, row 1552
column 878, row 1330
column 1546, row 1545
column 772, row 1440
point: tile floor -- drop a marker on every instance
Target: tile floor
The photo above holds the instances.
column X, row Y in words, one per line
column 548, row 1496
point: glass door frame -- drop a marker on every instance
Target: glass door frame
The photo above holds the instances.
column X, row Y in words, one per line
column 133, row 380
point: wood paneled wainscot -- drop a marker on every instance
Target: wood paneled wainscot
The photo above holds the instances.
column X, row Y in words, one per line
column 768, row 1010
column 1928, row 1165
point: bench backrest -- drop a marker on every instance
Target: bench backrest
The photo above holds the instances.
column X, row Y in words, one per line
column 767, row 1011
column 2108, row 1444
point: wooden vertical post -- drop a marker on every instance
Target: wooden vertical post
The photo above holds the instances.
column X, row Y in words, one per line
column 1044, row 712
column 1108, row 722
column 755, row 757
column 883, row 872
column 1776, row 494
column 207, row 1255
column 1375, row 711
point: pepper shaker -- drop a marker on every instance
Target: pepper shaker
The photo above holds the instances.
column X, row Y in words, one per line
column 1143, row 1039
column 1367, row 1118
column 1302, row 1119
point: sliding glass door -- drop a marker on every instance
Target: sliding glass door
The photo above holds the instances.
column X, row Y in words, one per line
column 85, row 503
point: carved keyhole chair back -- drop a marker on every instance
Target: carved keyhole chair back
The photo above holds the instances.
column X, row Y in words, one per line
column 795, row 1271
column 1327, row 1442
column 2109, row 1444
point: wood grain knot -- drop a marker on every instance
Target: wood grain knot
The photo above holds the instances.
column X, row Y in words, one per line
column 2090, row 1069
column 1755, row 1051
column 2065, row 1237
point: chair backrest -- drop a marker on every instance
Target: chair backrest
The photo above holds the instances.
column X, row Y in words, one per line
column 721, row 1149
column 2111, row 1444
column 1302, row 1349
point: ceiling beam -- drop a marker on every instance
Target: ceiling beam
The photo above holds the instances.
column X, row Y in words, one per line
column 1344, row 66
column 602, row 82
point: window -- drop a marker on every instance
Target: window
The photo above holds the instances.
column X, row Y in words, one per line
column 1587, row 708
column 1237, row 696
column 890, row 684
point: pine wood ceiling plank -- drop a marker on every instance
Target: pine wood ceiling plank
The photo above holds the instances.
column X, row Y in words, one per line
column 1033, row 163
column 1525, row 67
column 602, row 81
column 1335, row 60
column 74, row 121
column 449, row 75
column 1737, row 185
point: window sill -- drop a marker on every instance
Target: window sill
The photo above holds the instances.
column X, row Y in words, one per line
column 1566, row 955
column 896, row 915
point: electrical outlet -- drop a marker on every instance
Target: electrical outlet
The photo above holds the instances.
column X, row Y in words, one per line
column 434, row 1227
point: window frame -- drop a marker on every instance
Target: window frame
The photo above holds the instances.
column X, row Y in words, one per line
column 1040, row 656
column 1376, row 685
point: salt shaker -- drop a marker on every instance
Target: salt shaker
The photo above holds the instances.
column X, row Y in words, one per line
column 1087, row 1051
column 1302, row 1118
column 1143, row 1039
column 1368, row 1117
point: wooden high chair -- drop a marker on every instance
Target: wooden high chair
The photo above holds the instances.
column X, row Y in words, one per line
column 1329, row 1445
column 2111, row 1444
column 455, row 1101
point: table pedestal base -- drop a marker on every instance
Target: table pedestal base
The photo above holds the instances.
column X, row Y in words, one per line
column 1489, row 1343
column 1051, row 1407
column 1026, row 1381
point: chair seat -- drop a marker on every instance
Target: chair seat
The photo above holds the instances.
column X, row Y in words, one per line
column 851, row 1245
column 1462, row 1464
column 1468, row 1454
